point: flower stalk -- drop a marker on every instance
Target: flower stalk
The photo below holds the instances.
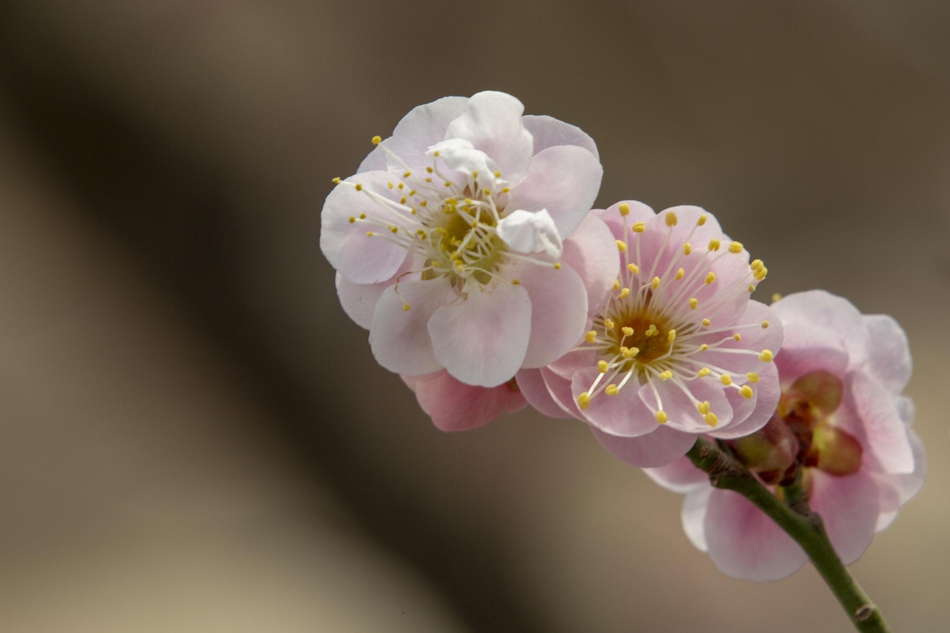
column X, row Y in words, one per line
column 799, row 522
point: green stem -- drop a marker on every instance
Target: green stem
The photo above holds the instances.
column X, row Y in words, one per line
column 797, row 519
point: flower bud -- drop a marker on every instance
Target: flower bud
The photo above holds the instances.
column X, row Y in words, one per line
column 771, row 449
column 834, row 451
column 810, row 398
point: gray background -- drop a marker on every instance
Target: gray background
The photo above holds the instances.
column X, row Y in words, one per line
column 193, row 436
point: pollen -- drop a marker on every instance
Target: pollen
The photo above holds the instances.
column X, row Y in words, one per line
column 617, row 285
column 583, row 400
column 655, row 283
column 735, row 247
column 603, row 366
column 359, row 187
column 337, row 180
column 627, row 331
column 765, row 324
column 693, row 303
column 702, row 220
column 687, row 248
column 621, row 246
column 746, row 392
column 666, row 375
column 705, row 371
column 625, row 293
column 766, row 356
column 609, row 324
column 703, row 407
column 624, row 209
column 671, row 218
column 680, row 274
column 591, row 336
column 752, row 377
column 661, row 417
column 557, row 265
column 711, row 419
column 736, row 337
column 706, row 322
column 711, row 277
column 714, row 244
column 406, row 307
column 725, row 379
column 633, row 268
column 639, row 227
column 377, row 140
column 671, row 336
column 611, row 390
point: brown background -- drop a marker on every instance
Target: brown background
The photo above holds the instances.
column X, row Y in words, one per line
column 194, row 438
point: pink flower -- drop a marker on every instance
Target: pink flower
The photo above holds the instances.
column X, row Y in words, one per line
column 842, row 375
column 455, row 406
column 676, row 349
column 452, row 243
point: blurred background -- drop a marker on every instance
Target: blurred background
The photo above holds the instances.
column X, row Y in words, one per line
column 195, row 438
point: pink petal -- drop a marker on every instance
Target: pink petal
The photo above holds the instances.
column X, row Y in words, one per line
column 481, row 338
column 623, row 414
column 455, row 406
column 680, row 409
column 559, row 388
column 680, row 476
column 822, row 310
column 871, row 415
column 399, row 337
column 550, row 132
column 535, row 391
column 564, row 180
column 639, row 212
column 659, row 448
column 591, row 252
column 693, row 515
column 849, row 508
column 492, row 123
column 750, row 415
column 744, row 543
column 889, row 354
column 896, row 490
column 807, row 349
column 361, row 259
column 423, row 127
column 558, row 311
column 359, row 300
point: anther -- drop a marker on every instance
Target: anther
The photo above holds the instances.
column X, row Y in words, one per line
column 693, row 303
column 603, row 366
column 611, row 390
column 776, row 297
column 661, row 417
column 639, row 227
column 703, row 347
column 671, row 336
column 609, row 324
column 655, row 283
column 766, row 356
column 702, row 220
column 725, row 379
column 362, row 216
column 627, row 331
column 633, row 268
column 359, row 187
column 557, row 265
column 735, row 247
column 666, row 375
column 369, row 234
column 624, row 209
column 591, row 336
column 671, row 218
column 352, row 219
column 377, row 140
column 583, row 400
column 680, row 274
column 714, row 244
column 752, row 377
column 337, row 180
column 765, row 324
column 711, row 277
column 705, row 371
column 751, row 288
column 617, row 284
column 621, row 246
column 746, row 392
column 406, row 307
column 706, row 322
column 687, row 248
column 703, row 407
column 737, row 337
column 711, row 419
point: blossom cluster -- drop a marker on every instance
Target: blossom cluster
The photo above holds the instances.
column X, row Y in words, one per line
column 466, row 243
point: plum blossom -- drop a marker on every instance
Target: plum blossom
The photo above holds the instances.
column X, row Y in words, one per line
column 676, row 349
column 841, row 421
column 462, row 242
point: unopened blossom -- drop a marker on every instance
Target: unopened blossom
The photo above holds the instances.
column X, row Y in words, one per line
column 462, row 243
column 677, row 349
column 455, row 406
column 842, row 425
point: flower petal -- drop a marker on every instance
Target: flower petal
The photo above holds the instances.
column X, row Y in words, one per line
column 741, row 357
column 535, row 391
column 889, row 354
column 531, row 232
column 550, row 132
column 750, row 415
column 639, row 212
column 481, row 338
column 399, row 337
column 896, row 490
column 558, row 311
column 590, row 251
column 492, row 122
column 806, row 349
column 693, row 516
column 422, row 127
column 659, row 448
column 680, row 476
column 559, row 388
column 871, row 415
column 682, row 413
column 361, row 259
column 849, row 508
column 819, row 309
column 744, row 543
column 624, row 414
column 359, row 300
column 564, row 180
column 455, row 406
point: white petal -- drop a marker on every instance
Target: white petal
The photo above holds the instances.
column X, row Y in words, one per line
column 492, row 122
column 531, row 232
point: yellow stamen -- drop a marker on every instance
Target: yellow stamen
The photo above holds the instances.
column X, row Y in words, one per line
column 671, row 218
column 735, row 247
column 725, row 379
column 746, row 392
column 624, row 209
column 655, row 283
column 602, row 366
column 737, row 337
column 766, row 356
column 583, row 400
column 714, row 244
column 680, row 274
column 591, row 336
column 693, row 303
column 711, row 277
column 705, row 371
column 702, row 220
column 611, row 390
column 752, row 377
column 639, row 227
column 377, row 140
column 711, row 419
column 661, row 417
column 687, row 248
column 633, row 268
